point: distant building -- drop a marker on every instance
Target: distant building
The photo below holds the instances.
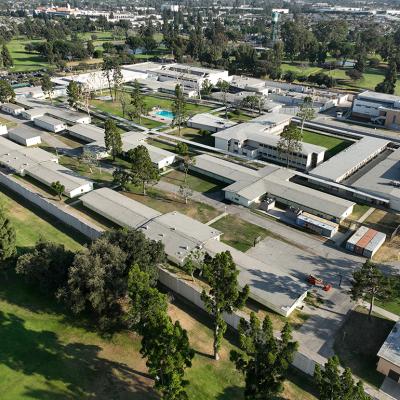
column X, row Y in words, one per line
column 380, row 108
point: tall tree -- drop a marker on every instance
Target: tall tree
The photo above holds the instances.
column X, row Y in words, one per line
column 142, row 170
column 223, row 86
column 188, row 159
column 389, row 83
column 334, row 385
column 47, row 87
column 306, row 112
column 164, row 343
column 117, row 78
column 107, row 68
column 369, row 283
column 58, row 188
column 46, row 266
column 124, row 100
column 138, row 105
column 224, row 295
column 112, row 138
column 74, row 94
column 97, row 281
column 290, row 141
column 6, row 91
column 7, row 237
column 6, row 57
column 264, row 359
column 179, row 108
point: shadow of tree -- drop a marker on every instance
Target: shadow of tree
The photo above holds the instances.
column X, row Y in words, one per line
column 71, row 371
column 231, row 393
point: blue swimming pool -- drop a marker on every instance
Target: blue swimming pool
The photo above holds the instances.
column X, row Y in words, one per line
column 165, row 114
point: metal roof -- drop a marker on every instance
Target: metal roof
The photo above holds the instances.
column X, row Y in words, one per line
column 87, row 132
column 212, row 120
column 49, row 120
column 349, row 159
column 23, row 158
column 390, row 349
column 24, row 132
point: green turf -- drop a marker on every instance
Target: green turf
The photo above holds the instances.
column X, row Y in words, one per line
column 166, row 104
column 196, row 182
column 333, row 144
column 24, row 61
column 196, row 136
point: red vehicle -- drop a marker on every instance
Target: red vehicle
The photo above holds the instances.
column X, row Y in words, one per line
column 318, row 282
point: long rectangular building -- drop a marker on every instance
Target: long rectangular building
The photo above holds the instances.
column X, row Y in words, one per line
column 181, row 235
column 249, row 186
column 350, row 160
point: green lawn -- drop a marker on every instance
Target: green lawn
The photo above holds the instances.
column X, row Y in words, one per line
column 196, row 182
column 238, row 233
column 24, row 61
column 358, row 342
column 114, row 108
column 195, row 136
column 236, row 117
column 166, row 104
column 333, row 144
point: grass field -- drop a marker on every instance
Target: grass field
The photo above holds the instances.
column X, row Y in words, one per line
column 239, row 233
column 358, row 341
column 372, row 76
column 333, row 144
column 195, row 136
column 196, row 182
column 166, row 104
column 165, row 202
column 24, row 61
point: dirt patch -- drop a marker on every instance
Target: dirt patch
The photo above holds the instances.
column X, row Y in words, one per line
column 390, row 251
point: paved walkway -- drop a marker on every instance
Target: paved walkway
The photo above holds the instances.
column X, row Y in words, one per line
column 366, row 215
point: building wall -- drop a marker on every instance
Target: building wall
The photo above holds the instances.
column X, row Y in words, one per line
column 11, row 110
column 366, row 108
column 165, row 162
column 385, row 366
column 50, row 127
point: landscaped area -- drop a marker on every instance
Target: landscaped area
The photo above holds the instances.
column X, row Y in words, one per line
column 165, row 202
column 358, row 342
column 196, row 136
column 196, row 182
column 333, row 144
column 47, row 353
column 24, row 61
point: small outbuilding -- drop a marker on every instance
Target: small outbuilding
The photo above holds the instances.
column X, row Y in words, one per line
column 366, row 242
column 11, row 108
column 50, row 124
column 25, row 136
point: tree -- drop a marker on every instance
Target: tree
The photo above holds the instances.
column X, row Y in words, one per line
column 290, row 141
column 138, row 105
column 89, row 158
column 263, row 359
column 6, row 58
column 47, row 87
column 112, row 138
column 185, row 192
column 124, row 100
column 97, row 281
column 354, row 74
column 389, row 83
column 224, row 295
column 369, row 283
column 179, row 109
column 7, row 237
column 194, row 262
column 188, row 159
column 58, row 188
column 254, row 102
column 90, row 48
column 74, row 94
column 107, row 68
column 6, row 92
column 334, row 385
column 142, row 170
column 223, row 86
column 306, row 112
column 206, row 87
column 164, row 343
column 46, row 266
column 117, row 78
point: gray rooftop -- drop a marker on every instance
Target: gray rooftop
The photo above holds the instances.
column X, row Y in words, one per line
column 49, row 120
column 22, row 158
column 347, row 160
column 13, row 106
column 212, row 120
column 375, row 96
column 390, row 349
column 7, row 145
column 67, row 115
column 88, row 133
column 24, row 132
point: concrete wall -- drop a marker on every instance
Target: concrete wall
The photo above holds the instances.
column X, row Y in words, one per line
column 81, row 225
column 385, row 366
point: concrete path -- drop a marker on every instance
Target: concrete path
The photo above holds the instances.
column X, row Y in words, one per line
column 217, row 218
column 366, row 215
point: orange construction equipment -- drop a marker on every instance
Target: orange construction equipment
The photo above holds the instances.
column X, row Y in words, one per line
column 318, row 282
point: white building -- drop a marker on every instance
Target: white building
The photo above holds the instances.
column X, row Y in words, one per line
column 25, row 136
column 259, row 138
column 29, row 92
column 389, row 355
column 50, row 124
column 209, row 122
column 11, row 108
column 381, row 108
column 32, row 113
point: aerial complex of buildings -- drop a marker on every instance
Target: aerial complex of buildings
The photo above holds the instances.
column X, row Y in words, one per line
column 325, row 208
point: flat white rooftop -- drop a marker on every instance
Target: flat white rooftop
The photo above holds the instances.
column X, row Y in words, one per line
column 390, row 349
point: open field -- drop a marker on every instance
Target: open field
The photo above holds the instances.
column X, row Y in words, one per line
column 333, row 144
column 165, row 202
column 45, row 353
column 372, row 76
column 166, row 104
column 241, row 117
column 24, row 61
column 383, row 221
column 114, row 108
column 195, row 136
column 239, row 233
column 358, row 342
column 196, row 182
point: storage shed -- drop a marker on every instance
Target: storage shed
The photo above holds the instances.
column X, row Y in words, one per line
column 50, row 124
column 25, row 136
column 13, row 109
column 366, row 242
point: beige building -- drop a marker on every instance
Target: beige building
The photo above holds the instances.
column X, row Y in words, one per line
column 389, row 355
